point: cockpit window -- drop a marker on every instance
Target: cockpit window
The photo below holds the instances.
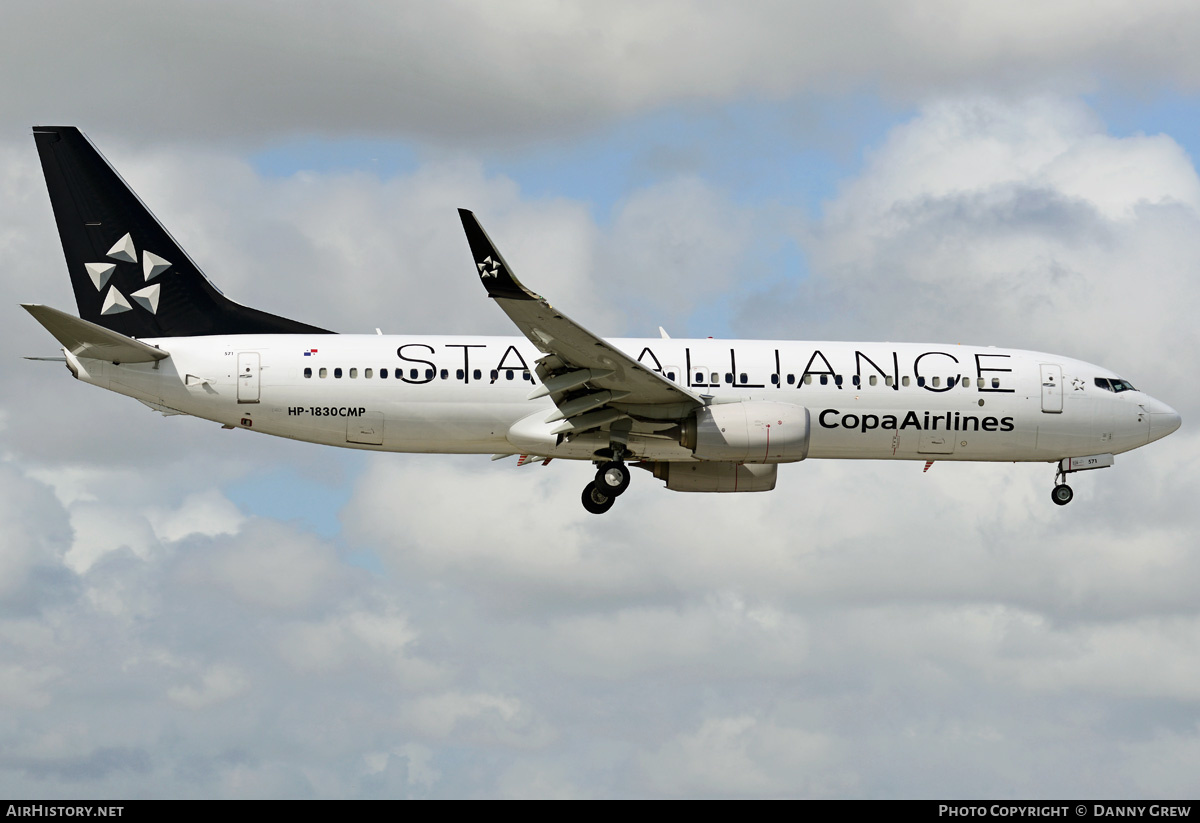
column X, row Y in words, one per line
column 1114, row 384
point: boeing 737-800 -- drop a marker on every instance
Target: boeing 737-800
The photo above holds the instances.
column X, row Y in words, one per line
column 701, row 415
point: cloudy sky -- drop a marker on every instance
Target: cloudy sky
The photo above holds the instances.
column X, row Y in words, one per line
column 191, row 612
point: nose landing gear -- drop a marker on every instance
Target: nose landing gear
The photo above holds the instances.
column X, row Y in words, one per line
column 612, row 479
column 1061, row 494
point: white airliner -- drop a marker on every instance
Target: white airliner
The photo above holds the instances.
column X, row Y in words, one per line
column 701, row 415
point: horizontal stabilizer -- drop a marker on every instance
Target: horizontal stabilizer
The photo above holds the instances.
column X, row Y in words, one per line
column 84, row 339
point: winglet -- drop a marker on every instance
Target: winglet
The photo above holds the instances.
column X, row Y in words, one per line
column 495, row 274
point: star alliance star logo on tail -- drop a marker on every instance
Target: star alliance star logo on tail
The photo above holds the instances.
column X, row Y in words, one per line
column 485, row 271
column 124, row 251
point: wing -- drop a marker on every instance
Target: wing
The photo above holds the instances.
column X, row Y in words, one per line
column 591, row 382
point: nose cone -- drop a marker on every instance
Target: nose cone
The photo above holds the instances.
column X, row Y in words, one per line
column 1163, row 421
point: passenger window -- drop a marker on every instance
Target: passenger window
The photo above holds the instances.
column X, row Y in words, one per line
column 460, row 374
column 308, row 372
column 477, row 374
column 774, row 380
column 429, row 373
column 995, row 382
column 837, row 379
column 368, row 373
column 400, row 373
column 337, row 373
column 383, row 373
column 527, row 376
column 495, row 375
column 716, row 378
column 937, row 382
column 728, row 378
column 353, row 373
column 743, row 378
column 323, row 372
column 824, row 380
column 670, row 375
column 889, row 380
column 980, row 383
column 921, row 382
column 904, row 380
column 791, row 378
column 808, row 379
column 699, row 377
column 874, row 380
column 445, row 374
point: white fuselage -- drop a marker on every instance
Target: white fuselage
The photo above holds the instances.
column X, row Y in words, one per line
column 445, row 394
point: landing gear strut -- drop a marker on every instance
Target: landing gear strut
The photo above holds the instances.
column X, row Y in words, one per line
column 612, row 479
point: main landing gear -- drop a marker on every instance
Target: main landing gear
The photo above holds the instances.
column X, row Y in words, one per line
column 612, row 479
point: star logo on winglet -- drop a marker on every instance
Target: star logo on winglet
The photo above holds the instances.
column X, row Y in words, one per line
column 489, row 267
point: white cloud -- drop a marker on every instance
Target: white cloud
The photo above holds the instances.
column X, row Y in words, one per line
column 742, row 755
column 469, row 72
column 217, row 683
column 481, row 717
column 269, row 566
column 23, row 688
column 1014, row 224
column 379, row 640
column 100, row 530
column 36, row 539
column 206, row 513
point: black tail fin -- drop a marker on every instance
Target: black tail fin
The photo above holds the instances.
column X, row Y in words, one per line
column 128, row 273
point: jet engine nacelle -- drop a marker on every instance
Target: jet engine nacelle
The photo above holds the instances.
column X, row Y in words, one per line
column 752, row 431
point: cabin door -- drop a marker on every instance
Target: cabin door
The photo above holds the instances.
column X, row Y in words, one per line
column 247, row 378
column 1051, row 389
